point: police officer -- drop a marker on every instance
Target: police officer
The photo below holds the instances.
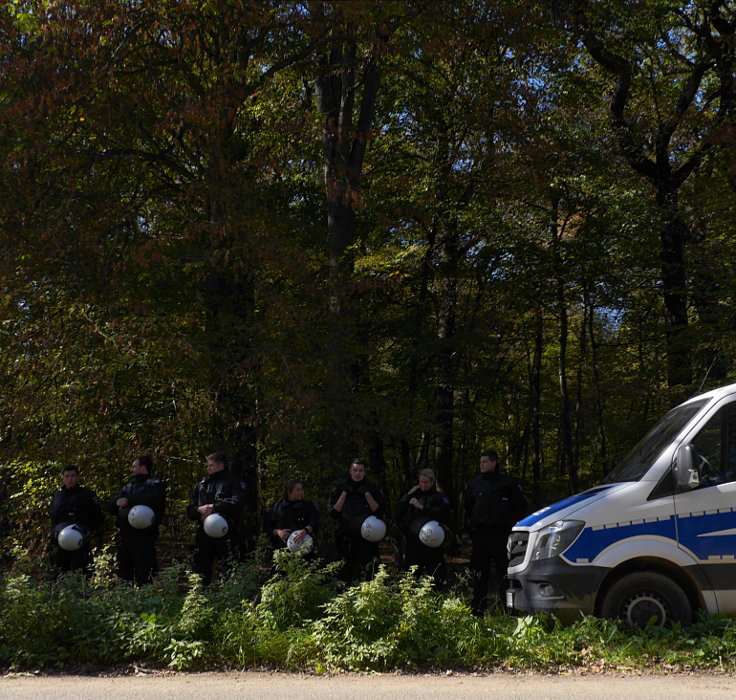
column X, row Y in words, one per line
column 350, row 504
column 136, row 547
column 73, row 505
column 494, row 502
column 422, row 503
column 222, row 493
column 290, row 514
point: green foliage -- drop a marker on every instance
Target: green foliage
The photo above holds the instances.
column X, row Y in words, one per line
column 240, row 580
column 297, row 591
column 166, row 287
column 246, row 640
column 394, row 622
column 170, row 289
column 27, row 607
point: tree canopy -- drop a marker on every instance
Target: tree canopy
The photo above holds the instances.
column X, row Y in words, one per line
column 305, row 231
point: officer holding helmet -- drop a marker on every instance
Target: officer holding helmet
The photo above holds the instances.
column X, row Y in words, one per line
column 220, row 496
column 136, row 541
column 350, row 504
column 73, row 508
column 494, row 502
column 423, row 503
column 290, row 516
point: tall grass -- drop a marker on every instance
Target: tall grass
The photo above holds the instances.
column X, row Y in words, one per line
column 302, row 619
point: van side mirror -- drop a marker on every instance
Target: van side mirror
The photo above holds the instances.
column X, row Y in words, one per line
column 686, row 475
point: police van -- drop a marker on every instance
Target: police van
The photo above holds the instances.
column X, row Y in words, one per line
column 655, row 542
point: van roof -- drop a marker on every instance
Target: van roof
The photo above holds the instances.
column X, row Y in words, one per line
column 718, row 393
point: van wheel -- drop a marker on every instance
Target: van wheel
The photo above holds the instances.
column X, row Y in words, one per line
column 638, row 598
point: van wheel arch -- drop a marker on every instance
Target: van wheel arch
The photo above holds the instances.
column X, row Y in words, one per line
column 636, row 595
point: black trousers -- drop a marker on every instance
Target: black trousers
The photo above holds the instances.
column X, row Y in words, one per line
column 62, row 561
column 489, row 549
column 137, row 558
column 210, row 549
column 358, row 555
column 430, row 561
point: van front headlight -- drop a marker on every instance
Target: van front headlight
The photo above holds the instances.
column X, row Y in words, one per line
column 553, row 540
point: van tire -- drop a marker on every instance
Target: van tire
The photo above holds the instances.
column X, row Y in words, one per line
column 638, row 598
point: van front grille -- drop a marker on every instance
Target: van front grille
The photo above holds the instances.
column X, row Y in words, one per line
column 516, row 546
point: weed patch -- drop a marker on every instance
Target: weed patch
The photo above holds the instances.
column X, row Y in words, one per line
column 302, row 619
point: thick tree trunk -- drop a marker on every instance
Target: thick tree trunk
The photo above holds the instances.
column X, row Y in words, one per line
column 229, row 296
column 344, row 144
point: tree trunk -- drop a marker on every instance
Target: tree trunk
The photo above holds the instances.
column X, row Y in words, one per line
column 673, row 235
column 567, row 455
column 602, row 443
column 344, row 144
column 443, row 399
column 536, row 405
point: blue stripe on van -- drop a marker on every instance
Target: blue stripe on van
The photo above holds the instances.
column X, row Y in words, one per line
column 592, row 541
column 709, row 535
column 535, row 517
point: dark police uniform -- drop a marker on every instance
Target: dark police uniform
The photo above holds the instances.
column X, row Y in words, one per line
column 291, row 516
column 351, row 547
column 137, row 548
column 77, row 505
column 227, row 493
column 494, row 502
column 436, row 506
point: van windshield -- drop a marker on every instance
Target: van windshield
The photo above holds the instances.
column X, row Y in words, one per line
column 637, row 462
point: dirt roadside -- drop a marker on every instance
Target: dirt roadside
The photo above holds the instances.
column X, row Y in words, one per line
column 272, row 686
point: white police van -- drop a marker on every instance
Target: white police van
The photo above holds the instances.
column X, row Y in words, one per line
column 655, row 542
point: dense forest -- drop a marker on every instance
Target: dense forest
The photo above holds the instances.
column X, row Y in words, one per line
column 408, row 230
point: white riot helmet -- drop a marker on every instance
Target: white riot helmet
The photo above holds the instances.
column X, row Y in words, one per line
column 141, row 517
column 215, row 525
column 71, row 538
column 305, row 546
column 373, row 529
column 432, row 534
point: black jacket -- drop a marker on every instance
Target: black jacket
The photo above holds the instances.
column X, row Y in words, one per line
column 78, row 505
column 224, row 490
column 436, row 506
column 143, row 490
column 356, row 509
column 494, row 500
column 289, row 515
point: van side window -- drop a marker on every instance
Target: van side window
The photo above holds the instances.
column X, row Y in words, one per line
column 715, row 448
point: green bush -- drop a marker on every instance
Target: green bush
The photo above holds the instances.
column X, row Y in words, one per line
column 303, row 620
column 32, row 630
column 247, row 640
column 396, row 623
column 297, row 591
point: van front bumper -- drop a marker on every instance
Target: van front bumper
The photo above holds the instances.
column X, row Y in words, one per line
column 556, row 587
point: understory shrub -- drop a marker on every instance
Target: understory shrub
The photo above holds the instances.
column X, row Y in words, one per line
column 397, row 623
column 302, row 619
column 297, row 591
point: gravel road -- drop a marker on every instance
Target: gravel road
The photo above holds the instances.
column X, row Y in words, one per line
column 268, row 686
